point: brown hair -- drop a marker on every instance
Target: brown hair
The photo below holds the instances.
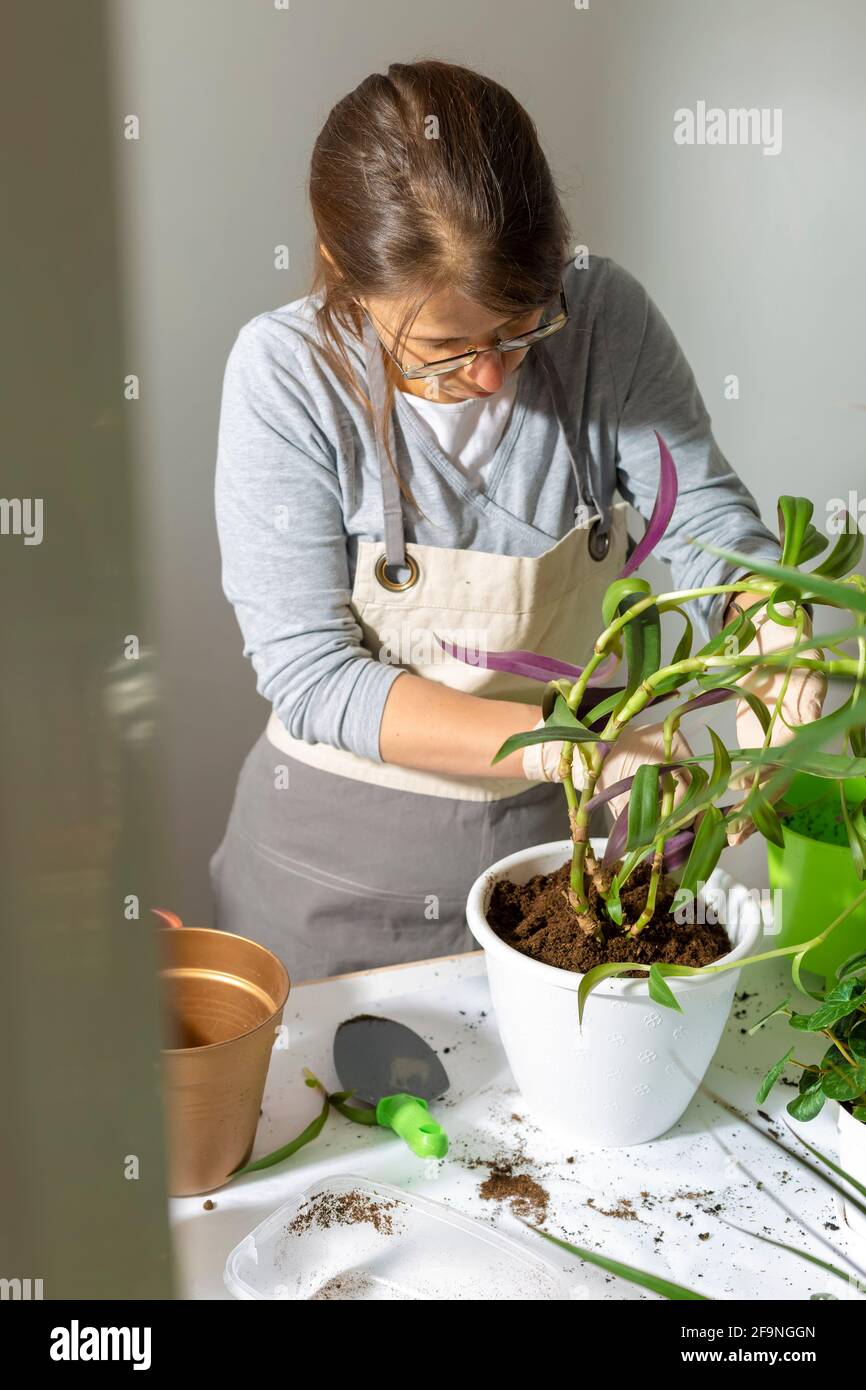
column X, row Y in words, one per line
column 430, row 177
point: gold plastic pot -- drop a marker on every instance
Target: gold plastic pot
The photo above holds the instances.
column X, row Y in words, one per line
column 223, row 1000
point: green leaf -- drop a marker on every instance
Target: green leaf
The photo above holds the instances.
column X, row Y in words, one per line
column 669, row 686
column 562, row 714
column 703, row 790
column 841, row 1080
column 641, row 637
column 629, row 864
column 596, row 975
column 813, row 544
column 720, row 774
column 659, row 990
column 807, row 585
column 846, row 553
column 554, row 688
column 795, row 515
column 801, row 1254
column 840, row 1172
column 613, row 903
column 367, row 1116
column 808, row 1104
column 603, row 708
column 758, row 708
column 763, row 813
column 845, row 999
column 313, row 1130
column 798, row 963
column 802, row 753
column 779, row 596
column 832, row 766
column 847, row 989
column 643, row 806
column 689, row 806
column 855, row 829
column 772, row 1076
column 740, row 630
column 654, row 1283
column 642, row 642
column 550, row 733
column 774, row 1013
column 617, row 591
column 683, row 649
column 710, row 839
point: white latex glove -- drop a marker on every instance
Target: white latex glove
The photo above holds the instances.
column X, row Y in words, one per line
column 632, row 749
column 802, row 704
column 541, row 762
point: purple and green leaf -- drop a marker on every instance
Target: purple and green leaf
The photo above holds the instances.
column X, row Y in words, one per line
column 663, row 510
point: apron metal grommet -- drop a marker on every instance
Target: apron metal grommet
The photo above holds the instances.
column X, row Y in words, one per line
column 598, row 543
column 394, row 585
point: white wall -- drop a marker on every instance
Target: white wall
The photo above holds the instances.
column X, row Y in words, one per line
column 756, row 261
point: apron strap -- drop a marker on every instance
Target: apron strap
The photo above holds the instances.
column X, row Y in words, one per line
column 392, row 511
column 563, row 415
column 598, row 536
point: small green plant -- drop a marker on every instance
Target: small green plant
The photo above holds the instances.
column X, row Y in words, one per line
column 841, row 1073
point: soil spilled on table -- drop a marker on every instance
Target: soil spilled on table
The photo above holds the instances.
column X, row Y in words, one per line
column 525, row 1196
column 345, row 1209
column 537, row 919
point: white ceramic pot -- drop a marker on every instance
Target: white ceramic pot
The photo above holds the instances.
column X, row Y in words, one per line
column 852, row 1157
column 630, row 1072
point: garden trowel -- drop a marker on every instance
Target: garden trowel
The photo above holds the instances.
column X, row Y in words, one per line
column 390, row 1068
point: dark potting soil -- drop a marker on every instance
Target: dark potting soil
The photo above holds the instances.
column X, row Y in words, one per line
column 345, row 1209
column 525, row 1196
column 537, row 919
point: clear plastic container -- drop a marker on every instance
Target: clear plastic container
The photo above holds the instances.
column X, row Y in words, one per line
column 349, row 1238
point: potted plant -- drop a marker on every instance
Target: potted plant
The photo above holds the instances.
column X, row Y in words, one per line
column 839, row 1076
column 630, row 1071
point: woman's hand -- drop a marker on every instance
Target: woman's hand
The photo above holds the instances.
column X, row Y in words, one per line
column 633, row 748
column 799, row 701
column 429, row 726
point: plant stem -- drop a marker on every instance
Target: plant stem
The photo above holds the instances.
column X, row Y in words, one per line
column 802, row 948
column 578, row 690
column 665, row 602
column 768, row 736
column 828, row 1033
column 580, row 855
column 668, row 790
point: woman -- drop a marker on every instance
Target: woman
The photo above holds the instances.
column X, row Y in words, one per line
column 427, row 446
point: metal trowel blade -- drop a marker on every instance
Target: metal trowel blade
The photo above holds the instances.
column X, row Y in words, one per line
column 376, row 1057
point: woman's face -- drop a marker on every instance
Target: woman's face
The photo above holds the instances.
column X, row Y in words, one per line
column 447, row 325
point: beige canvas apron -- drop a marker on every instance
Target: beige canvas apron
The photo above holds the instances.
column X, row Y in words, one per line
column 480, row 601
column 368, row 863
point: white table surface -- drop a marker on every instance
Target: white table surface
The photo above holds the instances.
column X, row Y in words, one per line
column 694, row 1175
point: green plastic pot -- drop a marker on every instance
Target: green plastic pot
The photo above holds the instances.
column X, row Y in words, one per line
column 816, row 881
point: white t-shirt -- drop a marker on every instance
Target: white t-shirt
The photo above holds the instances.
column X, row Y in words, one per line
column 468, row 432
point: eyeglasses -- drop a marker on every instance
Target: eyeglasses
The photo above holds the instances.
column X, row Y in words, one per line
column 453, row 364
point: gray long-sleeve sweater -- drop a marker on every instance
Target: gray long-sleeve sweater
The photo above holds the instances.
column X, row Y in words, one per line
column 297, row 487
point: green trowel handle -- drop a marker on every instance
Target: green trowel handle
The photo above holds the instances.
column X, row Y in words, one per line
column 409, row 1117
